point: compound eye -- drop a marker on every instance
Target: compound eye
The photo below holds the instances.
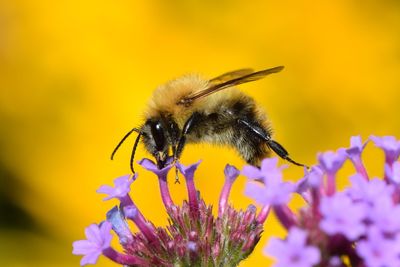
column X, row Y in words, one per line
column 157, row 131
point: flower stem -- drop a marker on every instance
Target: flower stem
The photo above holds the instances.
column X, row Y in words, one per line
column 147, row 230
column 123, row 258
column 223, row 198
column 165, row 195
column 358, row 164
column 330, row 184
column 192, row 195
column 128, row 202
column 285, row 216
column 262, row 216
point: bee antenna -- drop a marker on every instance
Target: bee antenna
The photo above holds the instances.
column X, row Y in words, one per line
column 281, row 152
column 134, row 150
column 123, row 140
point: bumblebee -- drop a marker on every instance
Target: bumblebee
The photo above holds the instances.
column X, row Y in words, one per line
column 191, row 109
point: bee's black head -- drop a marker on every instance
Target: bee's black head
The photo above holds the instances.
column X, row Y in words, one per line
column 156, row 140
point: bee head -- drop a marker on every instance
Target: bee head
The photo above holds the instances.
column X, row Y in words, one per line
column 155, row 140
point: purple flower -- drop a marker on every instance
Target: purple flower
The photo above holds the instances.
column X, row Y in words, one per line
column 311, row 184
column 378, row 251
column 368, row 191
column 274, row 191
column 356, row 147
column 302, row 188
column 162, row 179
column 120, row 190
column 314, row 177
column 385, row 215
column 119, row 225
column 294, row 251
column 269, row 170
column 188, row 171
column 151, row 166
column 354, row 154
column 342, row 216
column 393, row 172
column 390, row 145
column 231, row 173
column 331, row 162
column 98, row 239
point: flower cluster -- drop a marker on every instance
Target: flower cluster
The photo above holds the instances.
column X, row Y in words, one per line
column 194, row 237
column 358, row 226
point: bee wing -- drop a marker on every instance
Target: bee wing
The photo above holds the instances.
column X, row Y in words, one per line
column 230, row 76
column 216, row 86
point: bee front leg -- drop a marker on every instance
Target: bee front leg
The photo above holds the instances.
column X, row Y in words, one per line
column 273, row 145
column 187, row 128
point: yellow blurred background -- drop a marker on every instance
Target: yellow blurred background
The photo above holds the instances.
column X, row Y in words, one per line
column 75, row 76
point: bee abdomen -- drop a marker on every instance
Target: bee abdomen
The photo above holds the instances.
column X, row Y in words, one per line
column 251, row 148
column 223, row 128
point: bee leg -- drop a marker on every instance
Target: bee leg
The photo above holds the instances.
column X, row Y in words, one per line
column 181, row 143
column 189, row 124
column 281, row 152
column 273, row 145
